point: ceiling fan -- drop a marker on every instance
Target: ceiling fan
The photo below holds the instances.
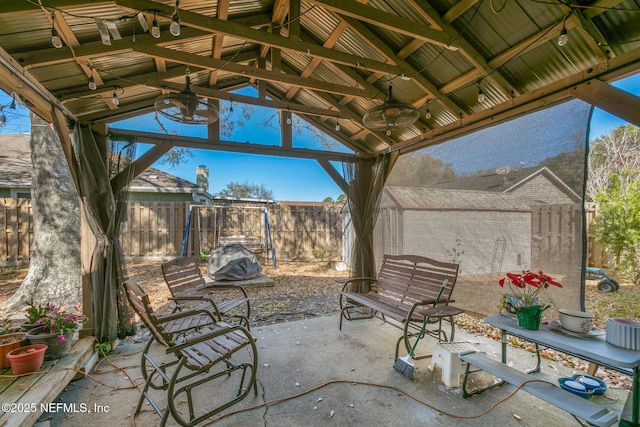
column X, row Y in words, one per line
column 390, row 114
column 186, row 107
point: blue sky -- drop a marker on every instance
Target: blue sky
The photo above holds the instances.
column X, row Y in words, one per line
column 289, row 179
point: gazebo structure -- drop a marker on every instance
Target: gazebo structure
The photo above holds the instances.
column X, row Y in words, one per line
column 382, row 77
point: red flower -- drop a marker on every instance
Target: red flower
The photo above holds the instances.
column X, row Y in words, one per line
column 527, row 286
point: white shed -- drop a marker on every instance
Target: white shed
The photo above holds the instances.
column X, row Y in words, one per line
column 485, row 232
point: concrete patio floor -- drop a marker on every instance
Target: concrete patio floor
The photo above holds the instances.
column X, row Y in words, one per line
column 296, row 357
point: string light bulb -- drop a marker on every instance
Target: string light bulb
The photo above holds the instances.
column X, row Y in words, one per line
column 427, row 114
column 56, row 41
column 481, row 96
column 174, row 28
column 337, row 125
column 92, row 83
column 155, row 28
column 388, row 132
column 114, row 97
column 563, row 38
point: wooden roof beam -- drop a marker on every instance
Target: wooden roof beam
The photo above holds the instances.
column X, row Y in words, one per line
column 261, row 37
column 419, row 79
column 229, row 146
column 329, row 43
column 222, row 13
column 249, row 72
column 386, row 20
column 457, row 10
column 469, row 52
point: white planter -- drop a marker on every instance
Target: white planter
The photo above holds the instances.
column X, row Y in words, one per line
column 624, row 333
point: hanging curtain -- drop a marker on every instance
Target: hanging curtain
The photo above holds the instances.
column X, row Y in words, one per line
column 98, row 164
column 365, row 179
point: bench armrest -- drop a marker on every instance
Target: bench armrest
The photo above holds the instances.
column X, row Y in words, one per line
column 358, row 279
column 426, row 303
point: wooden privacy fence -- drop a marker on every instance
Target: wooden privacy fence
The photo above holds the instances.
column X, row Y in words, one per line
column 156, row 229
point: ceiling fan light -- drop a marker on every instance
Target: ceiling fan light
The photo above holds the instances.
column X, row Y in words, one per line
column 391, row 114
column 186, row 107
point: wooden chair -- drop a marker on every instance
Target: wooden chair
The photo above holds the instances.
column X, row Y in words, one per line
column 188, row 288
column 208, row 371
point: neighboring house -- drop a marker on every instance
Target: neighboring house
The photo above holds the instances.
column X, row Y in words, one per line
column 533, row 185
column 151, row 185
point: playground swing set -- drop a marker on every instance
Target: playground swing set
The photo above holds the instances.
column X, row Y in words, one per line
column 261, row 244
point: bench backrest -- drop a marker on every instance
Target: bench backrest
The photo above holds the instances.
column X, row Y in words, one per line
column 407, row 279
column 183, row 275
column 139, row 299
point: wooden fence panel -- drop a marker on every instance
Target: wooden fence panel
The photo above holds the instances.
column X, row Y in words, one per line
column 16, row 236
column 556, row 235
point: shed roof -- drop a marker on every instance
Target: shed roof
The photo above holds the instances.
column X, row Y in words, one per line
column 507, row 179
column 421, row 198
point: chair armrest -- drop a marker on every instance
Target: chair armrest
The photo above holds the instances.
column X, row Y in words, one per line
column 188, row 313
column 202, row 298
column 211, row 286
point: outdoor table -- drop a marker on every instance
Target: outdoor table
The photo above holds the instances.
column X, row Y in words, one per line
column 591, row 349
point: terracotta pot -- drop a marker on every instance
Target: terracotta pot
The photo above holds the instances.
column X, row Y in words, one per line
column 27, row 359
column 56, row 346
column 9, row 342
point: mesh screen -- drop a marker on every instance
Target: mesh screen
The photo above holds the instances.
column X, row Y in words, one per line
column 505, row 199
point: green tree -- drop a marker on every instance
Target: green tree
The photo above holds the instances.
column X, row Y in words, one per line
column 246, row 191
column 617, row 225
column 614, row 153
column 419, row 170
column 342, row 198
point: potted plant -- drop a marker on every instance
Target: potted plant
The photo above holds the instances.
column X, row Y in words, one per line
column 27, row 359
column 55, row 329
column 524, row 299
column 34, row 313
column 10, row 339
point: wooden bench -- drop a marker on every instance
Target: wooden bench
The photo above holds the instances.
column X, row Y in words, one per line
column 29, row 395
column 591, row 412
column 405, row 290
column 188, row 287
